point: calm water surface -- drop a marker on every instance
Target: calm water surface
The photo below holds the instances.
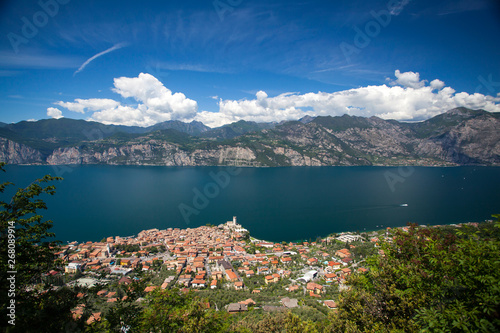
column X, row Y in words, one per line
column 276, row 204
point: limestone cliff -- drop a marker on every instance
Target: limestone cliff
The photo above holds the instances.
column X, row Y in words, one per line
column 152, row 153
column 16, row 153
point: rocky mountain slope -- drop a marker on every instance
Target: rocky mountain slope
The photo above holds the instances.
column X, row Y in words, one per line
column 457, row 137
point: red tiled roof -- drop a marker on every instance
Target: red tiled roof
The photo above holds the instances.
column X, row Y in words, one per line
column 331, row 304
column 150, row 288
column 231, row 275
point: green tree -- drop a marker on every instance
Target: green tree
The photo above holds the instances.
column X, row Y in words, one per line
column 429, row 279
column 28, row 249
column 293, row 324
column 278, row 322
column 122, row 316
column 171, row 311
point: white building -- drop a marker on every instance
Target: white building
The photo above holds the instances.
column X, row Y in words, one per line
column 349, row 238
column 308, row 276
column 233, row 225
column 73, row 267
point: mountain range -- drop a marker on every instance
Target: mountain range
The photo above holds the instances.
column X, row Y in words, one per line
column 457, row 137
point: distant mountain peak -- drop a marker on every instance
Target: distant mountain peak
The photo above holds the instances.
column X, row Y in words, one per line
column 236, row 129
column 464, row 112
column 195, row 122
column 192, row 128
column 306, row 119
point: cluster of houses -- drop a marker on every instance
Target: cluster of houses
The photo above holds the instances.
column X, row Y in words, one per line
column 220, row 257
column 213, row 257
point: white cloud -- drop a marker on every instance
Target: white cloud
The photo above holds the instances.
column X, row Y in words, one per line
column 186, row 67
column 124, row 115
column 156, row 103
column 111, row 49
column 261, row 109
column 25, row 60
column 437, row 84
column 159, row 101
column 408, row 79
column 93, row 104
column 408, row 98
column 54, row 113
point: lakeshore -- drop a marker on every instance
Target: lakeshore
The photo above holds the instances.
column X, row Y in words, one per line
column 223, row 257
column 276, row 204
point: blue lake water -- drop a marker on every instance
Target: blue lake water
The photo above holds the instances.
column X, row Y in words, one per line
column 276, row 204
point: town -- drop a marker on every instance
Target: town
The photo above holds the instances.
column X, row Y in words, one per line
column 223, row 263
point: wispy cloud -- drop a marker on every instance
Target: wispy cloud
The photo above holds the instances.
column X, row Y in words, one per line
column 188, row 67
column 335, row 68
column 453, row 7
column 9, row 73
column 350, row 71
column 111, row 49
column 463, row 6
column 12, row 60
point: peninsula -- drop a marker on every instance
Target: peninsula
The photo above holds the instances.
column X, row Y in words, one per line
column 235, row 271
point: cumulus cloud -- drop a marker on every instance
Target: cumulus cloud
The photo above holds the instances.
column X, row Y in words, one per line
column 407, row 98
column 408, row 79
column 158, row 100
column 54, row 113
column 93, row 104
column 437, row 84
column 156, row 103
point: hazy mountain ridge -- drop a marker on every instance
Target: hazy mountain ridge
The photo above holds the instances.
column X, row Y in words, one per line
column 236, row 129
column 457, row 137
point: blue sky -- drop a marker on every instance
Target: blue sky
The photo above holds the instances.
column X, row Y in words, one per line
column 142, row 62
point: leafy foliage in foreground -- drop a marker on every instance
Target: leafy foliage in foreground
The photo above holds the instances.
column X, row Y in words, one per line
column 164, row 311
column 28, row 250
column 430, row 279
